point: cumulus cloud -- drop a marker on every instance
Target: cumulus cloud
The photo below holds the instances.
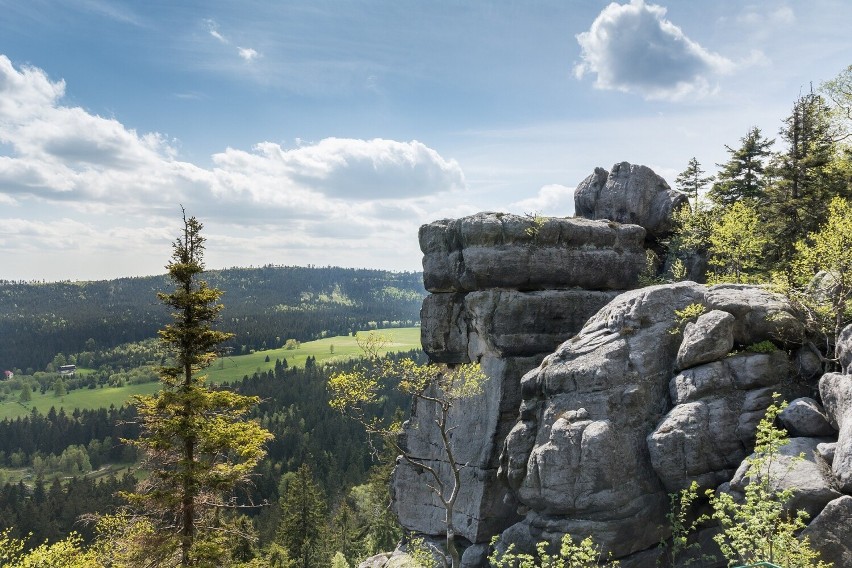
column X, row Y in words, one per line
column 634, row 48
column 337, row 193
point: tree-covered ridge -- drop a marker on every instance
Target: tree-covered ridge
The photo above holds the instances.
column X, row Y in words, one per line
column 264, row 307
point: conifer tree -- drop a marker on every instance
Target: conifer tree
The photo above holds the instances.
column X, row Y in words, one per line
column 198, row 445
column 692, row 180
column 805, row 179
column 302, row 530
column 743, row 175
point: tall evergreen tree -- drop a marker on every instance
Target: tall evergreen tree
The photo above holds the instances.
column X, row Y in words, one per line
column 198, row 444
column 805, row 180
column 692, row 180
column 743, row 175
column 302, row 530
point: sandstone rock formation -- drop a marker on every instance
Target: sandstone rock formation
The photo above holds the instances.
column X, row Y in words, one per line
column 628, row 193
column 505, row 291
column 598, row 447
column 600, row 402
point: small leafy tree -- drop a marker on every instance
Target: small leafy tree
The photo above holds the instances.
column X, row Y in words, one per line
column 582, row 554
column 736, row 244
column 198, row 444
column 678, row 550
column 762, row 528
column 434, row 386
column 828, row 252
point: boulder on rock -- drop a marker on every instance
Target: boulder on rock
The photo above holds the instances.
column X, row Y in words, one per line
column 844, row 350
column 629, row 193
column 836, row 392
column 805, row 417
column 709, row 338
column 812, row 491
column 830, row 533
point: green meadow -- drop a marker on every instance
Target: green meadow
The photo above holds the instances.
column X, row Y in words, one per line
column 226, row 369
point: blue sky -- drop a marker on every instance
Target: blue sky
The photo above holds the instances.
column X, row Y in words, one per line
column 325, row 132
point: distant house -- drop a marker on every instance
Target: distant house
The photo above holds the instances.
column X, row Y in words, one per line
column 68, row 369
column 8, row 374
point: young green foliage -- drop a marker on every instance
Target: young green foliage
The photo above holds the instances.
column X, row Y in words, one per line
column 736, row 244
column 761, row 527
column 582, row 554
column 680, row 551
column 437, row 387
column 198, row 444
column 829, row 252
column 687, row 314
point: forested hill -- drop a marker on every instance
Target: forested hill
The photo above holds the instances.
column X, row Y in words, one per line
column 263, row 306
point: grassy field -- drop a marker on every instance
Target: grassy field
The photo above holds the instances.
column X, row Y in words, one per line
column 227, row 369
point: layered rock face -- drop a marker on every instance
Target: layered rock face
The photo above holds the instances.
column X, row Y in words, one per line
column 632, row 408
column 505, row 291
column 600, row 400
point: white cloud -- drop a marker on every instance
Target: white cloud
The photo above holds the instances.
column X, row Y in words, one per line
column 213, row 30
column 247, row 53
column 334, row 195
column 552, row 200
column 634, row 48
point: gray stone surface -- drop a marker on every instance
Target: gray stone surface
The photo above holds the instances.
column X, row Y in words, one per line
column 805, row 417
column 496, row 250
column 836, row 392
column 515, row 323
column 826, row 451
column 588, row 406
column 599, row 409
column 844, row 350
column 760, row 315
column 710, row 337
column 830, row 532
column 809, row 478
column 628, row 193
column 601, row 399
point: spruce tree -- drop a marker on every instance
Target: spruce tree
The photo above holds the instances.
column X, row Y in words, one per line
column 743, row 175
column 302, row 530
column 805, row 179
column 692, row 180
column 198, row 445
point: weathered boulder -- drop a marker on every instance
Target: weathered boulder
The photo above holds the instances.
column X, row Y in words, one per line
column 836, row 392
column 812, row 489
column 717, row 408
column 601, row 397
column 629, row 193
column 844, row 350
column 826, row 451
column 760, row 315
column 497, row 250
column 805, row 417
column 709, row 338
column 830, row 532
